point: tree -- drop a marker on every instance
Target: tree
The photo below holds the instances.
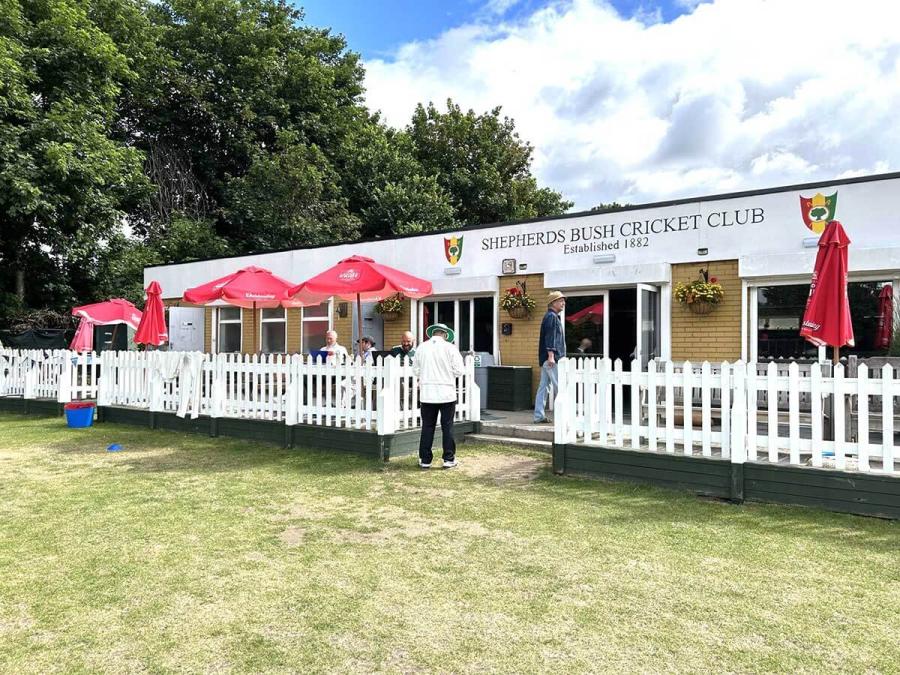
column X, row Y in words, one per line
column 481, row 162
column 290, row 198
column 63, row 178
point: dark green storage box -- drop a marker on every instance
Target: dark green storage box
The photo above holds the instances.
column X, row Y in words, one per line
column 509, row 388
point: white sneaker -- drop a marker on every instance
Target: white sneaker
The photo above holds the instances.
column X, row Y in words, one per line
column 423, row 465
column 450, row 464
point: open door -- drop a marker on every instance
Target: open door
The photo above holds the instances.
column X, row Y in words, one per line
column 647, row 338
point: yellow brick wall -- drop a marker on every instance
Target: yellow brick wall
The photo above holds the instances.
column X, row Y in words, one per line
column 708, row 337
column 520, row 348
column 250, row 332
column 393, row 330
column 294, row 337
column 208, row 317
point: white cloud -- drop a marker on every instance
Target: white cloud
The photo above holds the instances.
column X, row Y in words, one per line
column 738, row 94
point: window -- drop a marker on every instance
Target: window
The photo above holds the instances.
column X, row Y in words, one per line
column 315, row 323
column 780, row 312
column 475, row 331
column 229, row 339
column 272, row 331
column 584, row 324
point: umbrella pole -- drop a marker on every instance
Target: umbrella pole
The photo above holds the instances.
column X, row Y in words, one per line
column 836, row 355
column 359, row 323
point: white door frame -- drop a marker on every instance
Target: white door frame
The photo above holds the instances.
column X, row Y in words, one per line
column 598, row 292
column 639, row 323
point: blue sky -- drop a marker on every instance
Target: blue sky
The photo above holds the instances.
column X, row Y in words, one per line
column 637, row 101
column 377, row 29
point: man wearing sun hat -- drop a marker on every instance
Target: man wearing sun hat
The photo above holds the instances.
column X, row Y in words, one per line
column 437, row 365
column 551, row 348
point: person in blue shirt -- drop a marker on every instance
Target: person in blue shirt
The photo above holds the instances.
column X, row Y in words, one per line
column 551, row 348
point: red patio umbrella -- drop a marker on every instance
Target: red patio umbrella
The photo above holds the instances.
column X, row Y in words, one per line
column 152, row 329
column 826, row 320
column 884, row 332
column 250, row 287
column 361, row 278
column 109, row 312
column 593, row 313
column 84, row 337
column 116, row 311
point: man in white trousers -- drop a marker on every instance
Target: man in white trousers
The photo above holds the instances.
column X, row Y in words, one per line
column 437, row 365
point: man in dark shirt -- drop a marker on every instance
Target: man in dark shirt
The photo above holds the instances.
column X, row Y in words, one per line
column 551, row 348
column 406, row 349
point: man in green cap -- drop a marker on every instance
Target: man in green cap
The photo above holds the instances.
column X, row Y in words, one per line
column 437, row 365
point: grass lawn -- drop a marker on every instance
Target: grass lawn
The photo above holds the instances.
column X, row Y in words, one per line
column 185, row 553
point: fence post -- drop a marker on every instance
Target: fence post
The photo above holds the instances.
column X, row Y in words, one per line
column 474, row 391
column 738, row 425
column 64, row 390
column 385, row 416
column 563, row 430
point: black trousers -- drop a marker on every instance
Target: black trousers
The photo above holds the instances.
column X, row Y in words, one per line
column 429, row 422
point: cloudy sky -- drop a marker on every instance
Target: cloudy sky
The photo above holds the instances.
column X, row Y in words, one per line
column 641, row 101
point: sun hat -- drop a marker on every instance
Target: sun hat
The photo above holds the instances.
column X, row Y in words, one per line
column 554, row 296
column 367, row 338
column 440, row 326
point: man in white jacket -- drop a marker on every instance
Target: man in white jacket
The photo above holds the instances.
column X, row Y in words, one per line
column 437, row 365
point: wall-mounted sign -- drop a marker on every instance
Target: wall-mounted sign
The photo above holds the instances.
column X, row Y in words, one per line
column 509, row 266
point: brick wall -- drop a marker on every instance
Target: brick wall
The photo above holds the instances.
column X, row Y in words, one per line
column 708, row 337
column 393, row 330
column 520, row 348
column 250, row 330
column 294, row 336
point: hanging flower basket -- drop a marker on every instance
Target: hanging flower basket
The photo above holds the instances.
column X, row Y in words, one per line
column 517, row 302
column 518, row 312
column 701, row 295
column 390, row 308
column 700, row 307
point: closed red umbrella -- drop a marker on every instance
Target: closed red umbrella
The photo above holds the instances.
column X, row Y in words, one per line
column 250, row 287
column 593, row 313
column 152, row 329
column 361, row 278
column 884, row 332
column 826, row 320
column 84, row 337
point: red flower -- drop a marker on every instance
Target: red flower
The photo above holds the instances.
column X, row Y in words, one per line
column 713, row 280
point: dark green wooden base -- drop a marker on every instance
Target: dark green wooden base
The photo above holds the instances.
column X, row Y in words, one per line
column 42, row 407
column 301, row 435
column 858, row 493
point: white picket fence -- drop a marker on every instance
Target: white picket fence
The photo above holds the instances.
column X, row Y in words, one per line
column 742, row 412
column 379, row 395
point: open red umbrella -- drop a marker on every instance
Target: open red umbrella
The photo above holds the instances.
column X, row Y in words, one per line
column 361, row 278
column 116, row 311
column 152, row 329
column 109, row 312
column 593, row 313
column 250, row 287
column 826, row 320
column 884, row 332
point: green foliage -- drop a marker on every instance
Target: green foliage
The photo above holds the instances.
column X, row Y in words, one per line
column 290, row 198
column 206, row 126
column 482, row 163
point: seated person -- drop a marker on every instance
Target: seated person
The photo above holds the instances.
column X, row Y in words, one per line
column 332, row 346
column 406, row 349
column 366, row 347
column 585, row 346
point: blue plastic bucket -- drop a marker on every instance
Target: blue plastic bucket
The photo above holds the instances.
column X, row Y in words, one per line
column 79, row 415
